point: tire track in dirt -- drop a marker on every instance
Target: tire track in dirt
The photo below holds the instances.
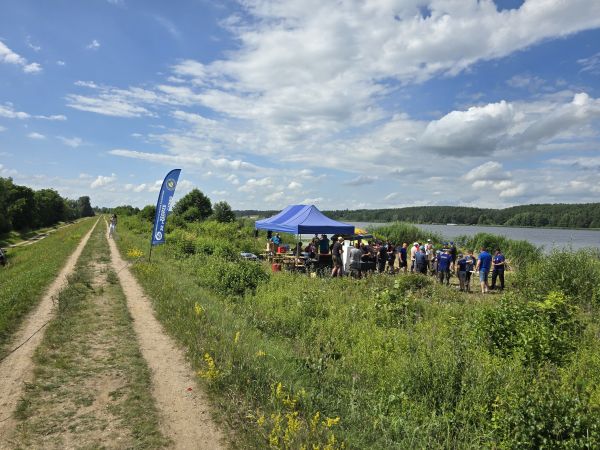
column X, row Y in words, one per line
column 17, row 367
column 185, row 414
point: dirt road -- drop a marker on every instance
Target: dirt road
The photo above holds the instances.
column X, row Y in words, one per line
column 17, row 368
column 184, row 410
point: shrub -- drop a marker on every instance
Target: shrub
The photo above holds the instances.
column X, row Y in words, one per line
column 538, row 331
column 399, row 232
column 545, row 413
column 520, row 253
column 227, row 277
column 576, row 274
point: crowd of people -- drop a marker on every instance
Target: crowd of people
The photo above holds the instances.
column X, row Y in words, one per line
column 368, row 256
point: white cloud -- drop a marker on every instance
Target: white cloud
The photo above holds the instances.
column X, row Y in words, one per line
column 490, row 170
column 71, row 142
column 60, row 63
column 7, row 56
column 362, row 180
column 101, row 181
column 252, row 184
column 294, row 185
column 36, row 136
column 94, row 45
column 590, row 64
column 7, row 110
column 2, row 128
column 35, row 48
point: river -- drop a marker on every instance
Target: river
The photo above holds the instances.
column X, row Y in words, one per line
column 549, row 238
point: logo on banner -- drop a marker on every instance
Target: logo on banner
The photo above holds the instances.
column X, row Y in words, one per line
column 158, row 236
column 171, row 183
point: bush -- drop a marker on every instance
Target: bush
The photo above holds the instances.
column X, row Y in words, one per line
column 545, row 413
column 575, row 274
column 537, row 332
column 227, row 277
column 399, row 232
column 519, row 253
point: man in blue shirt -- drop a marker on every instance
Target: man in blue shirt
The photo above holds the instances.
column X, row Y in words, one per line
column 443, row 266
column 484, row 263
column 421, row 262
column 498, row 269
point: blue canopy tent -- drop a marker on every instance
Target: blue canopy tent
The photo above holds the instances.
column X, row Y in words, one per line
column 304, row 219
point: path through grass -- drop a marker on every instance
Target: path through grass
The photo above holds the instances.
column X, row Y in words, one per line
column 92, row 388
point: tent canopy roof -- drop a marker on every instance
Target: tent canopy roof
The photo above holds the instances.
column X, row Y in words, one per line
column 303, row 219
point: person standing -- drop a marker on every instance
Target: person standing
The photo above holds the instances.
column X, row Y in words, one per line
column 443, row 267
column 336, row 256
column 421, row 262
column 112, row 227
column 469, row 269
column 324, row 245
column 498, row 269
column 402, row 263
column 391, row 256
column 413, row 251
column 354, row 259
column 453, row 253
column 430, row 252
column 484, row 263
column 381, row 257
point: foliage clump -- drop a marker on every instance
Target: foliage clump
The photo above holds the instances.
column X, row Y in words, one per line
column 537, row 331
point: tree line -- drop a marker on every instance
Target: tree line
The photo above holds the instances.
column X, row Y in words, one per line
column 192, row 207
column 583, row 215
column 22, row 208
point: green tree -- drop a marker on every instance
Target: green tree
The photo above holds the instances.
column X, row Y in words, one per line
column 194, row 206
column 49, row 206
column 223, row 213
column 85, row 208
column 148, row 213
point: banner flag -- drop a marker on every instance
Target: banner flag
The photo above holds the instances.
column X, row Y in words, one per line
column 164, row 206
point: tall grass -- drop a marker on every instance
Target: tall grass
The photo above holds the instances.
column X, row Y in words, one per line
column 399, row 232
column 519, row 253
column 32, row 268
column 401, row 361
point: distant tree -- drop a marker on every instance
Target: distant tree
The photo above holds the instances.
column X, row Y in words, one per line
column 49, row 206
column 148, row 213
column 85, row 208
column 21, row 207
column 71, row 209
column 223, row 213
column 194, row 206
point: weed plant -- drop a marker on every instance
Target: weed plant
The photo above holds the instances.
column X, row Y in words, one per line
column 385, row 361
column 32, row 268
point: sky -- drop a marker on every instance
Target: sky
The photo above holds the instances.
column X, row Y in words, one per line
column 341, row 104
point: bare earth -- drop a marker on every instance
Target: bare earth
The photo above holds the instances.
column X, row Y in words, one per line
column 17, row 368
column 184, row 410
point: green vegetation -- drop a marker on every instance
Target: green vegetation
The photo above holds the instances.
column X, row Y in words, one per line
column 91, row 381
column 386, row 361
column 519, row 253
column 30, row 270
column 400, row 232
column 22, row 208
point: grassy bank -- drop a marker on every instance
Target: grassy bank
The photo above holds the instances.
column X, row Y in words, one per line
column 92, row 387
column 31, row 269
column 383, row 362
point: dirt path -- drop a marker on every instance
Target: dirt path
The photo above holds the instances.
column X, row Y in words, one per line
column 17, row 368
column 185, row 412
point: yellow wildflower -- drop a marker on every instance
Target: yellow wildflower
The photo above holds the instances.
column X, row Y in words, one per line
column 329, row 422
column 260, row 354
column 211, row 371
column 134, row 253
column 236, row 338
column 261, row 420
column 315, row 421
column 198, row 309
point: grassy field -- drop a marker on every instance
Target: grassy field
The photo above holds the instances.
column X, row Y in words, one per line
column 384, row 362
column 92, row 387
column 31, row 269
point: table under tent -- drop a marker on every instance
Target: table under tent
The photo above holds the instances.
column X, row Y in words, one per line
column 302, row 220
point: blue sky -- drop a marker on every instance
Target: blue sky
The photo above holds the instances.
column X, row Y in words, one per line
column 264, row 103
